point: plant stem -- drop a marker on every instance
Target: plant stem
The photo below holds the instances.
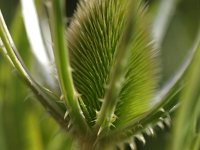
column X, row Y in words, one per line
column 63, row 67
column 106, row 114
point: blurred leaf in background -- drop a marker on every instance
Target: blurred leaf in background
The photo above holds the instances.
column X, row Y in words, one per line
column 178, row 39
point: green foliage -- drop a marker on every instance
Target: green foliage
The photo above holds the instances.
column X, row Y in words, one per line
column 186, row 133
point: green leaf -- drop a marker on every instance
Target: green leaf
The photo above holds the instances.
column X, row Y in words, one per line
column 163, row 18
column 189, row 111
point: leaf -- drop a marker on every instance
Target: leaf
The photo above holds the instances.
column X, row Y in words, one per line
column 163, row 18
column 31, row 22
column 36, row 37
column 189, row 113
column 178, row 35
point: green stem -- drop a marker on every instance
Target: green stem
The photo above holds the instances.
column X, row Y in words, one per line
column 63, row 67
column 196, row 144
column 106, row 115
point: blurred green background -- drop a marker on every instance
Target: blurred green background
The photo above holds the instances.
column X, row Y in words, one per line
column 23, row 123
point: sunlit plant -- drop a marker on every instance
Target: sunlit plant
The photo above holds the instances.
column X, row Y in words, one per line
column 104, row 92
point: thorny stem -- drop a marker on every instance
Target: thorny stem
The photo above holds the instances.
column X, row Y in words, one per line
column 106, row 114
column 63, row 67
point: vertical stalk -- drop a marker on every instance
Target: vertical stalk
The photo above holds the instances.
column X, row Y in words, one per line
column 117, row 75
column 63, row 66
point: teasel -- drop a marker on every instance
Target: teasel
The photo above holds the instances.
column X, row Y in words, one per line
column 107, row 70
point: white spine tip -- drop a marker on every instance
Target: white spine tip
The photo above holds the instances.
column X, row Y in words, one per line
column 101, row 99
column 132, row 146
column 66, row 115
column 161, row 125
column 150, row 131
column 112, row 125
column 167, row 121
column 77, row 94
column 70, row 69
column 62, row 97
column 69, row 125
column 141, row 138
column 100, row 130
